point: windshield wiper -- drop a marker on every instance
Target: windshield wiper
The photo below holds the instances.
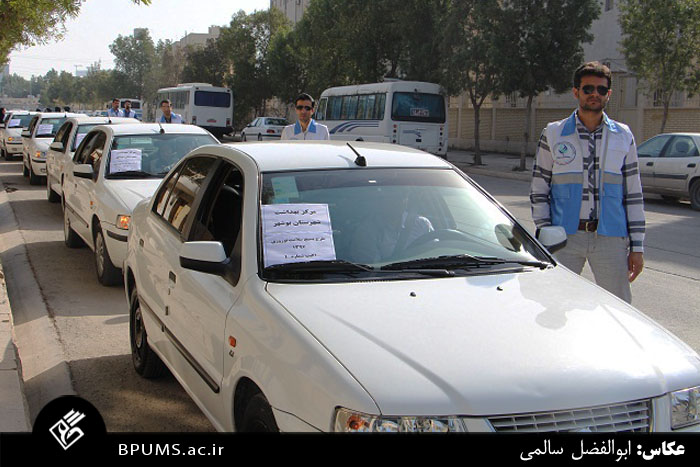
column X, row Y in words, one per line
column 459, row 261
column 131, row 173
column 320, row 266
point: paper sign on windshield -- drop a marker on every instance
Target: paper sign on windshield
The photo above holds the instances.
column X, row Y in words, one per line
column 14, row 122
column 45, row 129
column 125, row 160
column 294, row 233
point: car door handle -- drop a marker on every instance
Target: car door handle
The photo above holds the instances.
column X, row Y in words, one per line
column 691, row 166
column 141, row 242
column 649, row 164
column 172, row 277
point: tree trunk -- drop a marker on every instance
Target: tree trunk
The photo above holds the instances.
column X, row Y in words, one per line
column 528, row 125
column 477, row 147
column 665, row 115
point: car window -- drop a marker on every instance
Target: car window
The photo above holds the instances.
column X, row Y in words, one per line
column 19, row 121
column 161, row 196
column 276, row 121
column 81, row 154
column 48, row 127
column 653, row 147
column 93, row 154
column 32, row 124
column 80, row 134
column 63, row 133
column 221, row 210
column 181, row 199
column 681, row 146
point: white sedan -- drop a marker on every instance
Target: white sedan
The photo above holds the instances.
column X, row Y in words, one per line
column 313, row 286
column 669, row 165
column 264, row 127
column 11, row 132
column 114, row 168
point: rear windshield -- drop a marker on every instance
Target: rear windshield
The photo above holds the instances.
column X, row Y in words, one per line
column 212, row 99
column 19, row 121
column 418, row 107
column 276, row 121
column 48, row 127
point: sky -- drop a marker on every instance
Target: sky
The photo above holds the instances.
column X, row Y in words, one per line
column 87, row 37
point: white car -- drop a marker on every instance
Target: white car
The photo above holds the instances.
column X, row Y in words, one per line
column 11, row 133
column 114, row 168
column 264, row 127
column 313, row 286
column 63, row 148
column 36, row 140
column 669, row 165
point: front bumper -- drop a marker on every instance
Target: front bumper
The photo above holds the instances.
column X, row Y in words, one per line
column 116, row 241
column 39, row 166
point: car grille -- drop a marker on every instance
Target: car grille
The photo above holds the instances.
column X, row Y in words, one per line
column 631, row 416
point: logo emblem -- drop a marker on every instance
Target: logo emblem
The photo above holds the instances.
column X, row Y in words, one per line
column 65, row 431
column 564, row 153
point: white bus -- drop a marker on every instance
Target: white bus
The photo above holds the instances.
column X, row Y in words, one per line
column 410, row 113
column 200, row 104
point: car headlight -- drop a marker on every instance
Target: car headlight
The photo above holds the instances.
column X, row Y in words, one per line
column 349, row 421
column 685, row 407
column 123, row 222
column 40, row 155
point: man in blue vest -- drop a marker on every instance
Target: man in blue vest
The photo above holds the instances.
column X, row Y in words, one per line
column 168, row 115
column 114, row 110
column 586, row 179
column 126, row 111
column 306, row 128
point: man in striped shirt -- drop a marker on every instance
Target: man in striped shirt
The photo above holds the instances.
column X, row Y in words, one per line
column 586, row 179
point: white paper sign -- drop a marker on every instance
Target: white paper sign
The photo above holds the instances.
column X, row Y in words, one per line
column 294, row 233
column 45, row 129
column 14, row 122
column 125, row 160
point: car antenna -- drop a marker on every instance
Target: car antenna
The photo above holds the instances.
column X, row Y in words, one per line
column 361, row 161
column 162, row 130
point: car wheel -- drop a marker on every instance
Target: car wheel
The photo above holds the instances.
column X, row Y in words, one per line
column 34, row 179
column 4, row 153
column 25, row 170
column 258, row 417
column 259, row 137
column 107, row 273
column 695, row 195
column 71, row 239
column 51, row 195
column 243, row 138
column 146, row 362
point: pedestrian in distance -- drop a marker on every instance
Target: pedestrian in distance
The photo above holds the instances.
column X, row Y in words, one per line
column 3, row 114
column 586, row 179
column 114, row 110
column 126, row 111
column 168, row 115
column 306, row 128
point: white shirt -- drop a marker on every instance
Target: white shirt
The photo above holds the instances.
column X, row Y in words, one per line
column 315, row 131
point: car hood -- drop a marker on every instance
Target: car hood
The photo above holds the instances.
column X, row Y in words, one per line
column 130, row 192
column 492, row 344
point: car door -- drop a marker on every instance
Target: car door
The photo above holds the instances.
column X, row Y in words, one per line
column 649, row 152
column 54, row 158
column 27, row 141
column 199, row 302
column 679, row 159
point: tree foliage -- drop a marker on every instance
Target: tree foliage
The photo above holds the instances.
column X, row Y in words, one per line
column 661, row 44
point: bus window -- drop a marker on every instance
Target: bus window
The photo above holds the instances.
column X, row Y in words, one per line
column 334, row 108
column 321, row 112
column 212, row 99
column 418, row 107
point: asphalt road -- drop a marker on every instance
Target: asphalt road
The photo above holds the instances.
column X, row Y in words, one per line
column 45, row 278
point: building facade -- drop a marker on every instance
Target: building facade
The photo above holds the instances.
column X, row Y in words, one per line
column 293, row 9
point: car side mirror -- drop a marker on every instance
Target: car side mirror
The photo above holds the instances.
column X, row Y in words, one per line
column 57, row 146
column 553, row 237
column 84, row 171
column 26, row 133
column 206, row 257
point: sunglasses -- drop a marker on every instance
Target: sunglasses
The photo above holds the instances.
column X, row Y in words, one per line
column 304, row 107
column 589, row 89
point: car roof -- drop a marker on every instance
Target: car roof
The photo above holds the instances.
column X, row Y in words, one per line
column 148, row 128
column 309, row 155
column 100, row 119
column 59, row 114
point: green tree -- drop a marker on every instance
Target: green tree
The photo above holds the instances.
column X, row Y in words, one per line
column 540, row 41
column 205, row 65
column 135, row 57
column 15, row 86
column 661, row 44
column 27, row 23
column 471, row 59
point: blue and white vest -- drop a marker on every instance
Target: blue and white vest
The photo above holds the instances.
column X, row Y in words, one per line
column 568, row 177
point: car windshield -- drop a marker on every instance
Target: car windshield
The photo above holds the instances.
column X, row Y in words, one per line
column 276, row 121
column 48, row 127
column 151, row 155
column 385, row 220
column 19, row 121
column 80, row 134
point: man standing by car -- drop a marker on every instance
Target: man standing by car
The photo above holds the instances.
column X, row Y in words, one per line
column 114, row 110
column 168, row 115
column 126, row 111
column 306, row 127
column 586, row 179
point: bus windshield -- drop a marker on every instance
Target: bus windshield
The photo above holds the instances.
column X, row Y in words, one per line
column 418, row 107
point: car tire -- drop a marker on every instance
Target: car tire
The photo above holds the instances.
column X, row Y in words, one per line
column 34, row 179
column 70, row 238
column 695, row 195
column 51, row 195
column 243, row 137
column 258, row 417
column 25, row 170
column 146, row 362
column 260, row 137
column 107, row 273
column 4, row 153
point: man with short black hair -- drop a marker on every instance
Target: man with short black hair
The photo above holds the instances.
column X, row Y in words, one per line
column 114, row 110
column 168, row 115
column 306, row 128
column 586, row 179
column 126, row 111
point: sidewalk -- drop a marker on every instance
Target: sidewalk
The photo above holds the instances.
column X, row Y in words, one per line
column 493, row 164
column 14, row 415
